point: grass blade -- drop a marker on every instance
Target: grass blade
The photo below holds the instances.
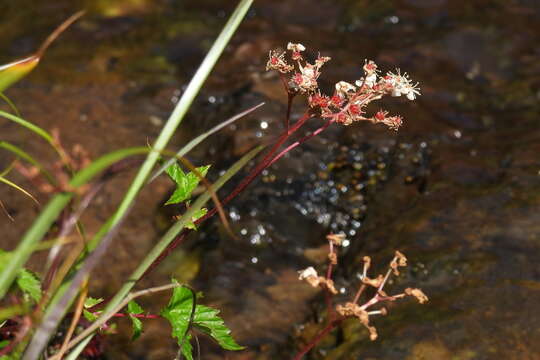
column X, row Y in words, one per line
column 47, row 216
column 27, row 124
column 10, row 104
column 196, row 141
column 13, row 72
column 17, row 187
column 25, row 156
column 176, row 116
column 168, row 238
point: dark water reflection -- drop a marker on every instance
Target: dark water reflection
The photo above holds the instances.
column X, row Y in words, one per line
column 457, row 189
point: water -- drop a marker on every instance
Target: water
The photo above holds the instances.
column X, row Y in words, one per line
column 457, row 189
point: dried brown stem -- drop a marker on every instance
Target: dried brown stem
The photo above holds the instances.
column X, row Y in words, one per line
column 76, row 316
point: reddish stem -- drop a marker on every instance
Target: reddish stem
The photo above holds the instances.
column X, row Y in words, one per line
column 327, row 295
column 359, row 293
column 301, row 141
column 290, row 98
column 140, row 316
column 331, row 326
column 265, row 162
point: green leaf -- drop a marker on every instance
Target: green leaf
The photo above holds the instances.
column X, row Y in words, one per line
column 185, row 183
column 13, row 72
column 137, row 327
column 17, row 187
column 89, row 316
column 187, row 349
column 134, row 308
column 208, row 321
column 26, row 280
column 29, row 283
column 198, row 214
column 179, row 310
column 90, row 302
column 4, row 343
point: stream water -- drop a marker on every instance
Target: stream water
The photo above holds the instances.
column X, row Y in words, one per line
column 457, row 189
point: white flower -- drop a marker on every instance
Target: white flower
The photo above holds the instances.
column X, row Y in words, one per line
column 295, row 47
column 402, row 85
column 344, row 87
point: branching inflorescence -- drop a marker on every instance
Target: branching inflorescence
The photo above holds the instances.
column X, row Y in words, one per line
column 348, row 103
column 345, row 106
column 355, row 308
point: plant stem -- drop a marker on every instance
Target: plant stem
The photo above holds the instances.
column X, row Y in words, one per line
column 331, row 326
column 359, row 293
column 301, row 141
column 328, row 296
column 263, row 164
column 76, row 316
column 104, row 318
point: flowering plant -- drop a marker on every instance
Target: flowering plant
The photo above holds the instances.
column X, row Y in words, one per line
column 348, row 103
column 353, row 308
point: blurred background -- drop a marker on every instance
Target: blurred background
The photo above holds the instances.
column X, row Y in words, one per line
column 457, row 189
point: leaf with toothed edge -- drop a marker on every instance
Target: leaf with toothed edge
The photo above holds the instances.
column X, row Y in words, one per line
column 135, row 309
column 206, row 319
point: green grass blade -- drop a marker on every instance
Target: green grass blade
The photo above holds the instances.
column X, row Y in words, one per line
column 170, row 235
column 13, row 72
column 176, row 117
column 27, row 124
column 10, row 104
column 17, row 187
column 47, row 216
column 196, row 141
column 25, row 156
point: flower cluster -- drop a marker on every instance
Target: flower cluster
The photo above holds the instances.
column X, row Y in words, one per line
column 353, row 308
column 348, row 103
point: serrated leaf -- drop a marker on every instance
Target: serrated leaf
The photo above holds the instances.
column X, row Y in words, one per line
column 27, row 281
column 187, row 349
column 137, row 327
column 29, row 284
column 89, row 316
column 185, row 183
column 198, row 214
column 90, row 302
column 178, row 312
column 175, row 172
column 134, row 308
column 208, row 321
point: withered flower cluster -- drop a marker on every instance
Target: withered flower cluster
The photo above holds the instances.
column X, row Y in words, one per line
column 354, row 308
column 348, row 102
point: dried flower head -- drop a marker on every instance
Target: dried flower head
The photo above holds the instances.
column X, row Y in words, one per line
column 376, row 283
column 354, row 308
column 418, row 294
column 351, row 309
column 329, row 285
column 336, row 239
column 398, row 260
column 333, row 258
column 310, row 275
